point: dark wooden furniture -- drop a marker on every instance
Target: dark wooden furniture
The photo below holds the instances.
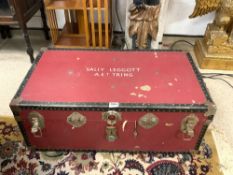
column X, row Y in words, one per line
column 19, row 12
column 5, row 31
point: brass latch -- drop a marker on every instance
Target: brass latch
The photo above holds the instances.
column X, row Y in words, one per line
column 76, row 120
column 111, row 117
column 188, row 125
column 37, row 123
column 148, row 121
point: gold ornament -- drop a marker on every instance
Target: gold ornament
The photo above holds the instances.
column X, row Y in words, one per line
column 143, row 23
column 215, row 50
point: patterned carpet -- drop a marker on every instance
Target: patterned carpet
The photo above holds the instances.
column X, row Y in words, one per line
column 17, row 159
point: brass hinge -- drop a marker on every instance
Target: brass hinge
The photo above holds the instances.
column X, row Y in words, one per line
column 211, row 109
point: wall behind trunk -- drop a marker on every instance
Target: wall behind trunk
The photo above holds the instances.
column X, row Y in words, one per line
column 178, row 22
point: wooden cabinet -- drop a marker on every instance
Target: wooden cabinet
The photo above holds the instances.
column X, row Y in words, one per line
column 88, row 23
column 20, row 12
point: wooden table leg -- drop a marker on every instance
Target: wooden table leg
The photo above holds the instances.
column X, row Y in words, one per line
column 45, row 26
column 28, row 42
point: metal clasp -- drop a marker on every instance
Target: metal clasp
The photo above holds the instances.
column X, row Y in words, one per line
column 37, row 123
column 111, row 117
column 188, row 125
column 77, row 120
column 148, row 121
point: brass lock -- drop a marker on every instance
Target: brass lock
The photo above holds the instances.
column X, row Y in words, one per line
column 148, row 121
column 76, row 119
column 188, row 125
column 37, row 123
column 111, row 117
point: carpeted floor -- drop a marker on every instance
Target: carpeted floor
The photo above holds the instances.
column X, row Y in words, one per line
column 16, row 159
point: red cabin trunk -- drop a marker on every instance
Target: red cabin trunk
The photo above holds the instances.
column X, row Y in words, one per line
column 112, row 100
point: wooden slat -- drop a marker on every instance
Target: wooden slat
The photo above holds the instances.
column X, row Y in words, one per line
column 92, row 24
column 54, row 20
column 67, row 18
column 86, row 22
column 51, row 25
column 106, row 23
column 66, row 14
column 100, row 23
column 80, row 22
column 73, row 18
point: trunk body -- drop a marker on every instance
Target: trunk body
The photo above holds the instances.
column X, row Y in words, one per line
column 113, row 101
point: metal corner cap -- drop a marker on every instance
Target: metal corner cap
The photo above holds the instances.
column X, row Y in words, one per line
column 16, row 101
column 14, row 104
column 211, row 109
column 43, row 49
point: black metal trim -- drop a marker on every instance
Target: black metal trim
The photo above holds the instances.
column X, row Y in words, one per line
column 201, row 136
column 123, row 107
column 20, row 124
column 203, row 132
column 24, row 133
column 199, row 78
column 110, row 151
